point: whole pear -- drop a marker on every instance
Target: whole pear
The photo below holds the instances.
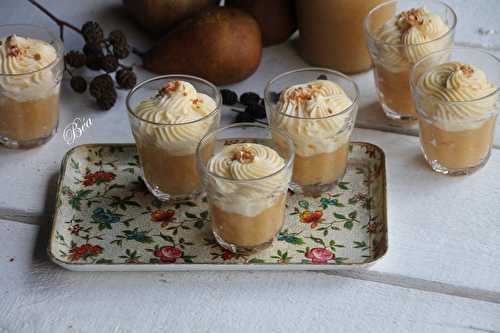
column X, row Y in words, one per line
column 221, row 45
column 159, row 15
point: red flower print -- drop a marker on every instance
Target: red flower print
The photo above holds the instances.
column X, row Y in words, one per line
column 84, row 251
column 98, row 178
column 168, row 254
column 163, row 216
column 319, row 255
column 313, row 218
column 227, row 255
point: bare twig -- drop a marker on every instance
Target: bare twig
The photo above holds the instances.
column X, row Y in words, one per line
column 58, row 21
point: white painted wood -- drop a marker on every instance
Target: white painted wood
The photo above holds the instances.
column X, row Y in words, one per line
column 37, row 296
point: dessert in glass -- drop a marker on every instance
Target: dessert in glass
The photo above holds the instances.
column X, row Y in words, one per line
column 456, row 95
column 331, row 32
column 246, row 178
column 169, row 115
column 31, row 70
column 319, row 115
column 420, row 28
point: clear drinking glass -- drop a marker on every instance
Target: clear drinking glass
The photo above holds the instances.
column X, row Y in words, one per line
column 167, row 152
column 29, row 102
column 392, row 63
column 456, row 137
column 321, row 158
column 246, row 214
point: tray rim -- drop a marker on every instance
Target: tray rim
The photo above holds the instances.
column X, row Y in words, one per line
column 148, row 267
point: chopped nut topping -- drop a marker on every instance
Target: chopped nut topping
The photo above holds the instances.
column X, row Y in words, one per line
column 196, row 101
column 411, row 18
column 170, row 87
column 37, row 57
column 243, row 156
column 467, row 70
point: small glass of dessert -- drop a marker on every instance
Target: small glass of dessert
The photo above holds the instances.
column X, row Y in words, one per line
column 317, row 108
column 332, row 34
column 169, row 115
column 246, row 177
column 31, row 70
column 456, row 94
column 420, row 28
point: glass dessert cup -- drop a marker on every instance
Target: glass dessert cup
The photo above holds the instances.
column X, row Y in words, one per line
column 456, row 137
column 320, row 160
column 246, row 214
column 331, row 33
column 169, row 170
column 392, row 63
column 29, row 101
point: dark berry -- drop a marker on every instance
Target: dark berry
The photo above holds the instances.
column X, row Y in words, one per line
column 100, row 84
column 93, row 50
column 107, row 100
column 109, row 63
column 92, row 32
column 94, row 62
column 126, row 78
column 249, row 98
column 244, row 117
column 117, row 38
column 274, row 96
column 256, row 111
column 75, row 59
column 78, row 84
column 322, row 77
column 121, row 52
column 229, row 97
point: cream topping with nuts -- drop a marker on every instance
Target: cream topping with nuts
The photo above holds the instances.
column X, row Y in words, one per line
column 322, row 101
column 414, row 28
column 457, row 82
column 248, row 161
column 19, row 55
column 177, row 111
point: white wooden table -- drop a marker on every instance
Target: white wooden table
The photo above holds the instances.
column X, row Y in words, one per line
column 442, row 272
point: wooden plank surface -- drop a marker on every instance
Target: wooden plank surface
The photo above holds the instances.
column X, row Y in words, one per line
column 36, row 296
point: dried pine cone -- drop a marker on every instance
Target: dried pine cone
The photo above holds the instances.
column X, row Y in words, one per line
column 126, row 78
column 93, row 50
column 94, row 63
column 92, row 32
column 109, row 63
column 100, row 84
column 107, row 100
column 75, row 59
column 121, row 52
column 78, row 84
column 117, row 38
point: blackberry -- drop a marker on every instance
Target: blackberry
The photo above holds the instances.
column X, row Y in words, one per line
column 126, row 78
column 107, row 100
column 109, row 63
column 90, row 49
column 94, row 62
column 256, row 111
column 229, row 97
column 249, row 98
column 92, row 32
column 244, row 117
column 100, row 84
column 75, row 59
column 78, row 84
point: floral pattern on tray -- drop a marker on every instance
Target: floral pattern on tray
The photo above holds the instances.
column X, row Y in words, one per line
column 105, row 215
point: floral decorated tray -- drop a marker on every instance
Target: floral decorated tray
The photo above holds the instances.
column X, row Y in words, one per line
column 106, row 220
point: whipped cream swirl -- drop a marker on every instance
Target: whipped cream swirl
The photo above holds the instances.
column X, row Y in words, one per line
column 19, row 55
column 416, row 29
column 179, row 110
column 322, row 101
column 457, row 82
column 247, row 161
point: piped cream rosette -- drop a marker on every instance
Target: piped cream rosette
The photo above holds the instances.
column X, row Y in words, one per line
column 311, row 114
column 457, row 82
column 176, row 111
column 251, row 178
